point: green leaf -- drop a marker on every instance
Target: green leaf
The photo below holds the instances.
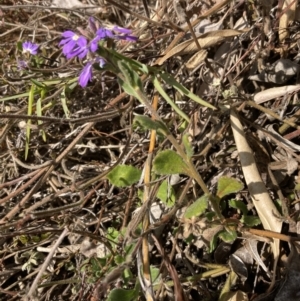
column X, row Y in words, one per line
column 197, row 208
column 155, row 275
column 39, row 113
column 124, row 175
column 169, row 162
column 250, row 220
column 128, row 88
column 119, row 259
column 131, row 77
column 129, row 248
column 113, row 57
column 187, row 145
column 278, row 205
column 95, row 266
column 238, row 205
column 227, row 186
column 99, row 262
column 23, row 239
column 228, row 236
column 70, row 86
column 166, row 194
column 127, row 275
column 213, row 243
column 54, row 82
column 38, row 84
column 140, row 194
column 210, row 216
column 144, row 68
column 168, row 78
column 29, row 112
column 19, row 45
column 127, row 72
column 183, row 126
column 112, row 234
column 162, row 92
column 16, row 96
column 64, row 102
column 35, row 238
column 297, row 187
column 146, row 123
column 118, row 294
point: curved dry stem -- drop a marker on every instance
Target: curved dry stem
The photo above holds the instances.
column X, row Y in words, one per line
column 261, row 199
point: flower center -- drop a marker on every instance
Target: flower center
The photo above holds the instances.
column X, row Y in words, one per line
column 75, row 37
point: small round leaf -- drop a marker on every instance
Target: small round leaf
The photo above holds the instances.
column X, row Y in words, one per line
column 124, row 175
column 169, row 162
column 197, row 208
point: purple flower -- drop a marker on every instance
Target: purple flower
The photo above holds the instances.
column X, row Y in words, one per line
column 69, row 41
column 92, row 24
column 101, row 62
column 127, row 38
column 86, row 75
column 80, row 50
column 103, row 33
column 122, row 30
column 94, row 44
column 87, row 72
column 30, row 47
column 127, row 34
column 22, row 64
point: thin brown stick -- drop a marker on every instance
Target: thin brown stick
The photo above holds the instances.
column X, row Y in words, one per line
column 46, row 263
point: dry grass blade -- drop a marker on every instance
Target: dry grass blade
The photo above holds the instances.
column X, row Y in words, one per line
column 287, row 17
column 178, row 292
column 266, row 209
column 146, row 219
column 273, row 93
column 261, row 198
column 46, row 263
column 196, row 59
column 205, row 41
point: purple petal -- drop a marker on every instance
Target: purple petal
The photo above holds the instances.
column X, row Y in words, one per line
column 103, row 33
column 74, row 45
column 83, row 53
column 80, row 50
column 71, row 37
column 22, row 64
column 122, row 30
column 94, row 44
column 73, row 53
column 30, row 47
column 63, row 42
column 34, row 49
column 69, row 47
column 101, row 61
column 26, row 45
column 127, row 38
column 82, row 42
column 92, row 24
column 131, row 38
column 68, row 34
column 85, row 75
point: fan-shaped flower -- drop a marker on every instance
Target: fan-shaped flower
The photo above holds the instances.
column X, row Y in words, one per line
column 86, row 75
column 81, row 49
column 30, row 47
column 69, row 41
